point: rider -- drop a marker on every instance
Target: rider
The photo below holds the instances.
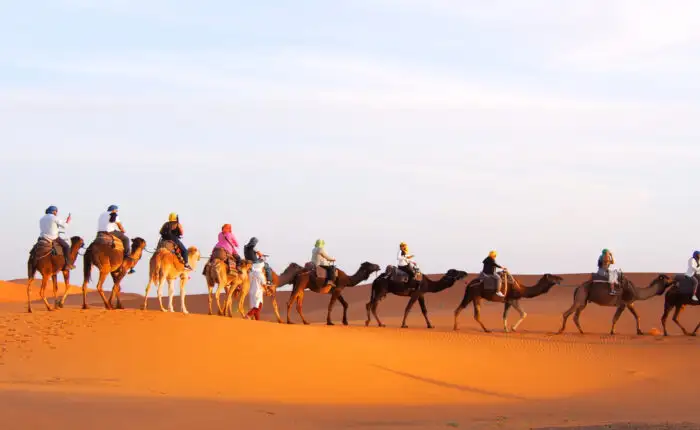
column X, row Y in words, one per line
column 406, row 263
column 489, row 271
column 254, row 256
column 49, row 225
column 693, row 271
column 172, row 230
column 320, row 258
column 227, row 242
column 109, row 222
column 604, row 262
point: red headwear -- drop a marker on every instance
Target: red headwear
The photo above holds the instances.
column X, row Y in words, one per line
column 226, row 228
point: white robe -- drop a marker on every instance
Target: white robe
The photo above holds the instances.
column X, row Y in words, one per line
column 257, row 282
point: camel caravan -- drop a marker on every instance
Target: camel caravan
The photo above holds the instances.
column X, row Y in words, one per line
column 251, row 278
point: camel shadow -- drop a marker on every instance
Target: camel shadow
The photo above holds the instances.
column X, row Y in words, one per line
column 463, row 388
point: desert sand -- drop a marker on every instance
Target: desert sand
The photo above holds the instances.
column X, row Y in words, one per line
column 99, row 369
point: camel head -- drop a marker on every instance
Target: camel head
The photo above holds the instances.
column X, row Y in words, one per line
column 137, row 245
column 77, row 241
column 661, row 283
column 551, row 280
column 293, row 268
column 369, row 268
column 246, row 265
column 193, row 255
column 454, row 275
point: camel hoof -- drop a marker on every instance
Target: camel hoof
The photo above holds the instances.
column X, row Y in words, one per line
column 30, row 311
column 640, row 333
column 289, row 322
column 382, row 325
column 171, row 310
column 307, row 323
column 345, row 323
column 329, row 323
column 165, row 310
column 59, row 304
column 430, row 326
column 693, row 334
column 119, row 306
column 455, row 328
column 404, row 326
column 85, row 307
column 144, row 307
column 366, row 323
column 186, row 312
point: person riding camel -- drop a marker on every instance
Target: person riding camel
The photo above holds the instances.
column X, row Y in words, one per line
column 48, row 227
column 227, row 241
column 172, row 230
column 109, row 222
column 320, row 259
column 405, row 262
column 251, row 254
column 605, row 261
column 489, row 271
column 692, row 273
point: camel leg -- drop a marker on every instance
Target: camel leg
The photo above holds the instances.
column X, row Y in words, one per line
column 463, row 304
column 676, row 314
column 375, row 306
column 506, row 308
column 42, row 292
column 275, row 308
column 171, row 293
column 424, row 310
column 159, row 291
column 565, row 316
column 636, row 318
column 523, row 314
column 85, row 305
column 117, row 290
column 209, row 296
column 241, row 305
column 183, row 283
column 300, row 307
column 577, row 316
column 218, row 302
column 410, row 304
column 331, row 303
column 477, row 314
column 618, row 312
column 29, row 294
column 54, row 279
column 145, row 297
column 66, row 282
column 345, row 306
column 664, row 316
column 290, row 302
column 100, row 283
column 695, row 332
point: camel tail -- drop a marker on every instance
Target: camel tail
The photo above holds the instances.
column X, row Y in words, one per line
column 87, row 266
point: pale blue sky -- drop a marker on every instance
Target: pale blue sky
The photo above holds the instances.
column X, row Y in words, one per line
column 544, row 129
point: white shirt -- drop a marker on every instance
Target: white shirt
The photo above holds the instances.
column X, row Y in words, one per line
column 404, row 260
column 319, row 257
column 103, row 223
column 693, row 268
column 48, row 225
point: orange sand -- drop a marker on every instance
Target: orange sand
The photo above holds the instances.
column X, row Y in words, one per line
column 152, row 370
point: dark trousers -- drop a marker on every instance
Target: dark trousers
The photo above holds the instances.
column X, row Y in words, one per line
column 330, row 273
column 268, row 273
column 181, row 247
column 409, row 271
column 66, row 249
column 125, row 241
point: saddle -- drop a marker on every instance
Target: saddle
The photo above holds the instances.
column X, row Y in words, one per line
column 395, row 274
column 44, row 247
column 170, row 246
column 685, row 286
column 108, row 239
column 489, row 283
column 318, row 271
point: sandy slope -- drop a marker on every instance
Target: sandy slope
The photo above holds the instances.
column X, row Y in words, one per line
column 98, row 369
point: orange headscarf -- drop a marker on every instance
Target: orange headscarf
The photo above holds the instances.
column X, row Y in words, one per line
column 226, row 228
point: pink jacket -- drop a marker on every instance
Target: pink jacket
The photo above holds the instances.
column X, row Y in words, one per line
column 228, row 242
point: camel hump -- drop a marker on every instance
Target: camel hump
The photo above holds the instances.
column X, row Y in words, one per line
column 685, row 285
column 318, row 271
column 167, row 244
column 108, row 239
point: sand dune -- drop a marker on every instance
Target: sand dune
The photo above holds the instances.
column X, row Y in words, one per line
column 106, row 369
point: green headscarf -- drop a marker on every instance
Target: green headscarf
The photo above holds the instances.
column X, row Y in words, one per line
column 320, row 243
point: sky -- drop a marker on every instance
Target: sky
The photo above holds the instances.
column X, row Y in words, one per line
column 545, row 130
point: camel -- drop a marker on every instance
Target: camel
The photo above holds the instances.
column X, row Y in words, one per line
column 475, row 292
column 384, row 284
column 48, row 263
column 308, row 279
column 216, row 273
column 106, row 252
column 284, row 278
column 678, row 296
column 165, row 265
column 599, row 293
